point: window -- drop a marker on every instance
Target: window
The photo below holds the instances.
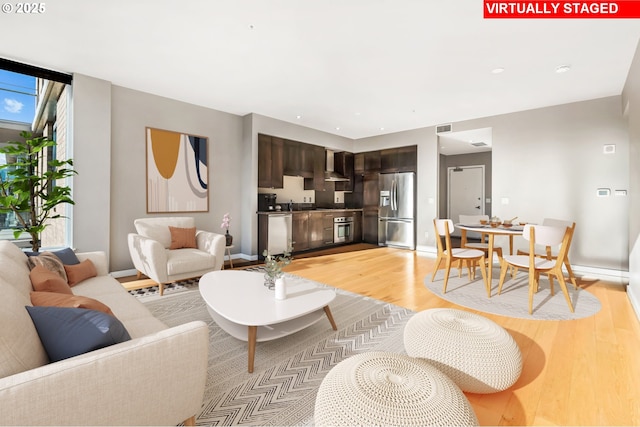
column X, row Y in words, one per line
column 35, row 100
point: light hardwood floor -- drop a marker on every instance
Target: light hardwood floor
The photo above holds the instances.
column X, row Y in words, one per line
column 580, row 372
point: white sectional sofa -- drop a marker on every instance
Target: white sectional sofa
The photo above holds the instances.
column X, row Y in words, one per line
column 156, row 378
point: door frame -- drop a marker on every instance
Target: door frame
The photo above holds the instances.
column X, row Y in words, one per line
column 482, row 197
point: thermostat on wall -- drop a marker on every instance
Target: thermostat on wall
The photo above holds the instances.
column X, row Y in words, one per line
column 603, row 192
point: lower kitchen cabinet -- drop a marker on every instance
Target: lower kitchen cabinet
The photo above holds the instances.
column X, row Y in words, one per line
column 327, row 235
column 300, row 231
column 370, row 226
column 310, row 229
column 357, row 227
column 316, row 230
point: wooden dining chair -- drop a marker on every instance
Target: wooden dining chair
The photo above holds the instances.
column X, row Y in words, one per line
column 443, row 228
column 482, row 244
column 548, row 251
column 546, row 236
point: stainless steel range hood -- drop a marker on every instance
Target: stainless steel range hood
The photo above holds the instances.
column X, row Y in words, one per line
column 330, row 174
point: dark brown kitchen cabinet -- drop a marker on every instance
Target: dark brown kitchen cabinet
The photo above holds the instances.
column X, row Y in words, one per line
column 300, row 231
column 270, row 161
column 356, row 230
column 317, row 182
column 327, row 233
column 298, row 159
column 370, row 200
column 372, row 161
column 370, row 225
column 402, row 159
column 368, row 161
column 344, row 166
column 316, row 229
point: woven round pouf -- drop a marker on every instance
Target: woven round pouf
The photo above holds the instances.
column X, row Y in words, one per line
column 380, row 388
column 475, row 352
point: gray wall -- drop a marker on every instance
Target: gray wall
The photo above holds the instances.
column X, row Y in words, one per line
column 548, row 162
column 132, row 111
column 91, row 146
column 631, row 104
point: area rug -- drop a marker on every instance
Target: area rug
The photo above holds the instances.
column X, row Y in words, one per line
column 514, row 299
column 152, row 292
column 288, row 371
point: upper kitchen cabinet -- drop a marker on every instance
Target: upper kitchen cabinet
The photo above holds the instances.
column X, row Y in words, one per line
column 317, row 182
column 270, row 161
column 402, row 159
column 367, row 162
column 344, row 165
column 298, row 159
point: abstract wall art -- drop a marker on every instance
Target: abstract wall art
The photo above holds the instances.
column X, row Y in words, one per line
column 177, row 172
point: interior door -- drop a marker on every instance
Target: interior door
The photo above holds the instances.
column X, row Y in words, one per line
column 465, row 192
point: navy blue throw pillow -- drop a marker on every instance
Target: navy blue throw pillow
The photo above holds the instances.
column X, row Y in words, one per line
column 66, row 255
column 66, row 332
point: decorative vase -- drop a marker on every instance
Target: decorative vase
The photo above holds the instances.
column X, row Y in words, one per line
column 229, row 238
column 281, row 289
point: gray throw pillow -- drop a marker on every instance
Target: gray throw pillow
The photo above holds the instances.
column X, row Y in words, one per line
column 66, row 332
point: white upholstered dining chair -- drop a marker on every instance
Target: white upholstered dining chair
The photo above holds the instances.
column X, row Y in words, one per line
column 546, row 236
column 550, row 252
column 482, row 244
column 443, row 228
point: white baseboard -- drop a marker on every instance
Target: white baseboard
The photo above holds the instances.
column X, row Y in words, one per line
column 634, row 298
column 585, row 272
column 133, row 271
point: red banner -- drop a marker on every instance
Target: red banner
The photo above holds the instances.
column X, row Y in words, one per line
column 625, row 9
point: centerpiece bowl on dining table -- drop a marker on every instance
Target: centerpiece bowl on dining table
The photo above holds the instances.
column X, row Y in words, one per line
column 484, row 221
column 494, row 224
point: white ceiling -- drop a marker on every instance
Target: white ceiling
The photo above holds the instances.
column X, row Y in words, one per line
column 461, row 142
column 353, row 68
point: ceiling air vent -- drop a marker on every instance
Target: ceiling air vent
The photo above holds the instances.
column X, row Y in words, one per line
column 479, row 144
column 443, row 128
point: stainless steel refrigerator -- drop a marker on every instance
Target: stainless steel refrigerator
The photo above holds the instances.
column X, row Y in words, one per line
column 396, row 210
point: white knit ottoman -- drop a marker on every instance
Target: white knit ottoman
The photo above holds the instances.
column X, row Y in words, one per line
column 380, row 388
column 475, row 352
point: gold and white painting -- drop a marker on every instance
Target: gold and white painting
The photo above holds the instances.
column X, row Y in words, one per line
column 177, row 172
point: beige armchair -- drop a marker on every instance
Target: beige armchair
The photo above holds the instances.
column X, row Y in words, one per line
column 151, row 254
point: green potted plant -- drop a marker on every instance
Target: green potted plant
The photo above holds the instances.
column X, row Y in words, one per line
column 273, row 266
column 29, row 185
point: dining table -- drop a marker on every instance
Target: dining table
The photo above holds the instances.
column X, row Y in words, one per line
column 491, row 231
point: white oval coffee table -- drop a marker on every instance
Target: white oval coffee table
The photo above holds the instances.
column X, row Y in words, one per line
column 243, row 307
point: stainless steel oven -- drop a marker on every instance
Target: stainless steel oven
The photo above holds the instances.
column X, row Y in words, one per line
column 343, row 229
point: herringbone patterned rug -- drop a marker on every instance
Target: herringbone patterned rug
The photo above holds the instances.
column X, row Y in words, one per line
column 288, row 371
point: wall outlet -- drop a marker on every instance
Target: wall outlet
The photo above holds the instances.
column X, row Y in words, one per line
column 426, row 234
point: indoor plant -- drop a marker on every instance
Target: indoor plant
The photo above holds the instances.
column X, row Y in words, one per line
column 273, row 266
column 226, row 221
column 29, row 186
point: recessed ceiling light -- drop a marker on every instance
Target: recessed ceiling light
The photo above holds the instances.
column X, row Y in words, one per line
column 298, row 117
column 337, row 127
column 381, row 128
column 497, row 70
column 563, row 68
